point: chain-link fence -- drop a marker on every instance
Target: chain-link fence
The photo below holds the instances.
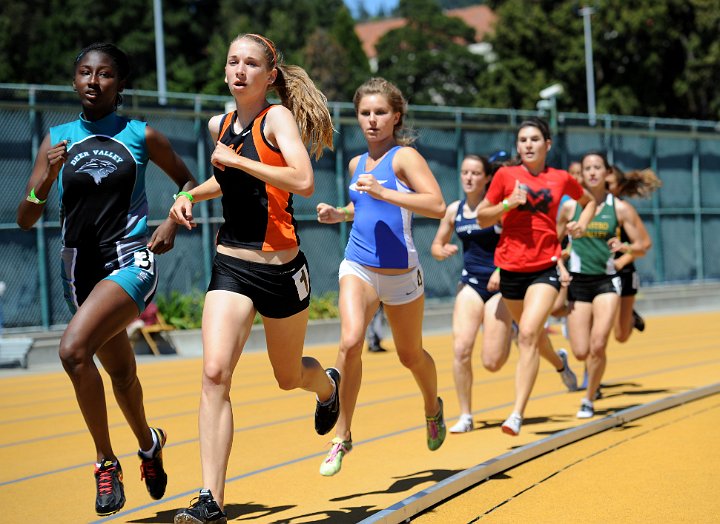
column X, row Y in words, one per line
column 683, row 218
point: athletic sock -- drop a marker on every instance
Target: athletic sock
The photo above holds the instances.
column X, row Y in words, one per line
column 332, row 396
column 149, row 454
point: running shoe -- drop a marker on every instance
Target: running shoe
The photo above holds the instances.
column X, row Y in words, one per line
column 202, row 510
column 463, row 425
column 151, row 469
column 638, row 321
column 512, row 425
column 327, row 413
column 110, row 491
column 436, row 430
column 333, row 462
column 586, row 409
column 567, row 375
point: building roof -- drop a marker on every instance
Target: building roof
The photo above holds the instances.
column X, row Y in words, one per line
column 480, row 17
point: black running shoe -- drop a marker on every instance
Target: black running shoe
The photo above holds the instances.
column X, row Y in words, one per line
column 638, row 321
column 151, row 469
column 110, row 491
column 326, row 415
column 202, row 510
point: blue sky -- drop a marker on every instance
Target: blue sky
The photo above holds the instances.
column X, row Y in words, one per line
column 372, row 6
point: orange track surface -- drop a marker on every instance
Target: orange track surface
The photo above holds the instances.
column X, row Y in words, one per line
column 46, row 452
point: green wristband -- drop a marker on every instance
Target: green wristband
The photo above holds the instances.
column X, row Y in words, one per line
column 346, row 211
column 32, row 197
column 185, row 194
column 506, row 204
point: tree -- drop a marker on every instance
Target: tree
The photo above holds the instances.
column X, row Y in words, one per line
column 428, row 58
column 650, row 58
column 530, row 42
column 326, row 63
column 129, row 24
column 662, row 55
column 358, row 68
column 291, row 24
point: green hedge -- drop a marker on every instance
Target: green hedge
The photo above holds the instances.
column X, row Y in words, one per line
column 184, row 310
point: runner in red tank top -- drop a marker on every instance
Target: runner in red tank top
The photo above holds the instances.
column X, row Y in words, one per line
column 526, row 198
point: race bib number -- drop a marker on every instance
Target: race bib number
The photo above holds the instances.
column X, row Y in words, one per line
column 144, row 259
column 302, row 282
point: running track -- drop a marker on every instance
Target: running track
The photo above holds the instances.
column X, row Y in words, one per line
column 46, row 452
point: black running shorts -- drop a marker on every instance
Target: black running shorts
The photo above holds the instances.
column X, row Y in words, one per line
column 514, row 285
column 629, row 283
column 584, row 288
column 277, row 291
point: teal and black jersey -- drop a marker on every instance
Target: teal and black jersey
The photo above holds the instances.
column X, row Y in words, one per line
column 102, row 184
column 590, row 254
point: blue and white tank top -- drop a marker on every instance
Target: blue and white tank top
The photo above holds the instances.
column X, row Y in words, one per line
column 381, row 234
column 102, row 184
column 478, row 243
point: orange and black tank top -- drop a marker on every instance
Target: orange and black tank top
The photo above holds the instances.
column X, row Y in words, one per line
column 257, row 215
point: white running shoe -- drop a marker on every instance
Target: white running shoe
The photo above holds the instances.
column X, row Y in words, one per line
column 463, row 425
column 512, row 425
column 586, row 409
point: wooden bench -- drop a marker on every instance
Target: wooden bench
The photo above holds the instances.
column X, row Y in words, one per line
column 15, row 351
column 159, row 327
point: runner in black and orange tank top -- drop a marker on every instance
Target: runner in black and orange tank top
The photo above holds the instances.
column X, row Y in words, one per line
column 260, row 160
column 260, row 216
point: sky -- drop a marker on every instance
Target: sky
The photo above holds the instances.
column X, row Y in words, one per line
column 372, row 6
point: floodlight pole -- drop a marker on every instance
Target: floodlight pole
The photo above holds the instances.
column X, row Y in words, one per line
column 160, row 52
column 586, row 12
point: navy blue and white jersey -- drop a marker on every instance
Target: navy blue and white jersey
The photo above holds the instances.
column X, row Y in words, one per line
column 478, row 243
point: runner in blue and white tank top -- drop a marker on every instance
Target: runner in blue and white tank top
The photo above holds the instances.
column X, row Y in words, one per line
column 477, row 302
column 378, row 223
column 108, row 268
column 388, row 184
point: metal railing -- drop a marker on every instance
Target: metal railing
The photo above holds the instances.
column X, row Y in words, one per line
column 683, row 217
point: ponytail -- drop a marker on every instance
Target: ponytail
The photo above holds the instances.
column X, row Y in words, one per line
column 308, row 104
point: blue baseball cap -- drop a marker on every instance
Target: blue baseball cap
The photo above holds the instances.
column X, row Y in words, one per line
column 498, row 155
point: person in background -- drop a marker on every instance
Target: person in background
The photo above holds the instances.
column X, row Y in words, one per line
column 634, row 184
column 148, row 317
column 594, row 291
column 575, row 170
column 526, row 199
column 374, row 333
column 259, row 162
column 108, row 263
column 477, row 301
column 388, row 184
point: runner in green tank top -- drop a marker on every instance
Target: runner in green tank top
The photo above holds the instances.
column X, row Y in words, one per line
column 590, row 254
column 594, row 291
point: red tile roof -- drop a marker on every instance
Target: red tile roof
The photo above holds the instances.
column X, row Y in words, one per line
column 481, row 17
